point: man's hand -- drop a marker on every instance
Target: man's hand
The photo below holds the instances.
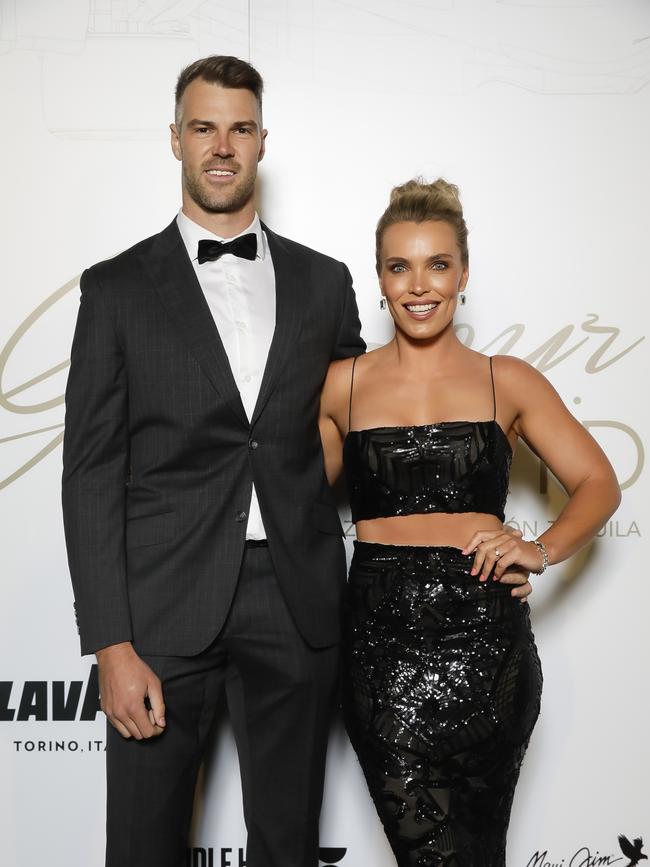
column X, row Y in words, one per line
column 131, row 694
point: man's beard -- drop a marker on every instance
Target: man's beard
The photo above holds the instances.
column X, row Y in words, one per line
column 215, row 202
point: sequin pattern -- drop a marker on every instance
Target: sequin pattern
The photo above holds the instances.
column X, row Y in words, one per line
column 442, row 692
column 458, row 466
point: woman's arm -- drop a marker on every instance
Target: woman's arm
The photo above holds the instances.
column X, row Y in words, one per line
column 332, row 419
column 571, row 454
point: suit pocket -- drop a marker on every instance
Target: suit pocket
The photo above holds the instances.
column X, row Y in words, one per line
column 326, row 519
column 151, row 530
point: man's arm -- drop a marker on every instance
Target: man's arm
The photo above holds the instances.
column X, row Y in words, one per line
column 349, row 341
column 95, row 468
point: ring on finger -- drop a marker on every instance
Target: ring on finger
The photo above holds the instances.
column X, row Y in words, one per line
column 497, row 553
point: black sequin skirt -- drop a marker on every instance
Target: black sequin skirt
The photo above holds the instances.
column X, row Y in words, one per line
column 442, row 689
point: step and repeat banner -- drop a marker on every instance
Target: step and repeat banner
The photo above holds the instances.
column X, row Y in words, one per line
column 539, row 111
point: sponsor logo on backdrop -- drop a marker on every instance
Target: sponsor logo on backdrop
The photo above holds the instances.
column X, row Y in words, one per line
column 632, row 850
column 602, row 346
column 628, row 853
column 614, row 529
column 229, row 856
column 44, row 701
column 332, row 856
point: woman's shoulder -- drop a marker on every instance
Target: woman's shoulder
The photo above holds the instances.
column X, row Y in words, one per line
column 516, row 369
column 342, row 368
column 338, row 380
column 344, row 374
column 375, row 356
column 518, row 379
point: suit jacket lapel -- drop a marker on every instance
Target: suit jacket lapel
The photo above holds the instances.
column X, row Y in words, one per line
column 291, row 280
column 175, row 282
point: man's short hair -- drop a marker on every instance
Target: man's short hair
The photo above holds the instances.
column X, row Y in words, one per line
column 224, row 70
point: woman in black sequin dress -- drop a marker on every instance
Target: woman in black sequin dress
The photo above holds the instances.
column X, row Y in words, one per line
column 443, row 681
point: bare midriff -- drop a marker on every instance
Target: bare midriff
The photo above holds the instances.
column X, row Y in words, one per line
column 440, row 529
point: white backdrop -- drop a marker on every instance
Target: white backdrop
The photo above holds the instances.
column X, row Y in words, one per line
column 538, row 109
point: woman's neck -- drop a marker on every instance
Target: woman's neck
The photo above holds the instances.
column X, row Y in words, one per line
column 440, row 352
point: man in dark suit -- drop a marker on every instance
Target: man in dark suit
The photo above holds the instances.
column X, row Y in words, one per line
column 203, row 540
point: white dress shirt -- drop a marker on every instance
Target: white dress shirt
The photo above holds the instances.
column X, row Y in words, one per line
column 241, row 297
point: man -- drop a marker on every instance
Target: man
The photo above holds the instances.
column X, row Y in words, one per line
column 202, row 536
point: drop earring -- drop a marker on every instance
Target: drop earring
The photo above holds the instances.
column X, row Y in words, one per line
column 462, row 300
column 382, row 303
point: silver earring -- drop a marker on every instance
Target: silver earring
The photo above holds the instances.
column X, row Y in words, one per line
column 382, row 303
column 462, row 299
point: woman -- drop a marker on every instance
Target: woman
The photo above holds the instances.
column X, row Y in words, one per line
column 443, row 677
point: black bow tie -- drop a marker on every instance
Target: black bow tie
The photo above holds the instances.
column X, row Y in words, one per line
column 244, row 246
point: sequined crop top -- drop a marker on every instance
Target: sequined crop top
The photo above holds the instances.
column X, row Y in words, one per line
column 453, row 466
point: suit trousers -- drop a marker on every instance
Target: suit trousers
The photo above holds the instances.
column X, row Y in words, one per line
column 284, row 699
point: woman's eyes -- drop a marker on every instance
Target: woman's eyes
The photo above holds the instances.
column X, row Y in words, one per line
column 400, row 268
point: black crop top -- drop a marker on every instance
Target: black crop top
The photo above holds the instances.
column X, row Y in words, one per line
column 453, row 466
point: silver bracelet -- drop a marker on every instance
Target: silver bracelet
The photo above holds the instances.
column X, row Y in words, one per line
column 542, row 547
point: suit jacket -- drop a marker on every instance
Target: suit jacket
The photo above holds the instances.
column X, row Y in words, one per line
column 159, row 456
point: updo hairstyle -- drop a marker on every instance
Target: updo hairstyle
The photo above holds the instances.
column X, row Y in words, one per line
column 416, row 202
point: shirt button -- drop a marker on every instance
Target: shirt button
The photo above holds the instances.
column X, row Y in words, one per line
column 240, row 517
column 247, row 378
column 241, row 325
column 253, row 444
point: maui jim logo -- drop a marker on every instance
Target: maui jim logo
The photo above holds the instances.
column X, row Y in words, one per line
column 582, row 858
column 632, row 852
column 601, row 342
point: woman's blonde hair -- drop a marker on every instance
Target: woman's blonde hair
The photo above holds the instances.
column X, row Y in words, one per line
column 416, row 202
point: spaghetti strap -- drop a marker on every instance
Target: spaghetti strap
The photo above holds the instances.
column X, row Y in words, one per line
column 354, row 361
column 494, row 393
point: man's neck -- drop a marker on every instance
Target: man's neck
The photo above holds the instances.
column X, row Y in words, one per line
column 225, row 225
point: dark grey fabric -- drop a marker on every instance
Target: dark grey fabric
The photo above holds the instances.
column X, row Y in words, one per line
column 280, row 703
column 159, row 456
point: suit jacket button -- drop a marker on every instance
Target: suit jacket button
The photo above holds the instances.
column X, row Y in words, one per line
column 240, row 517
column 253, row 444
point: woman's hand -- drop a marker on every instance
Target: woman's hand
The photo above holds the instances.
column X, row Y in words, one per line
column 502, row 553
